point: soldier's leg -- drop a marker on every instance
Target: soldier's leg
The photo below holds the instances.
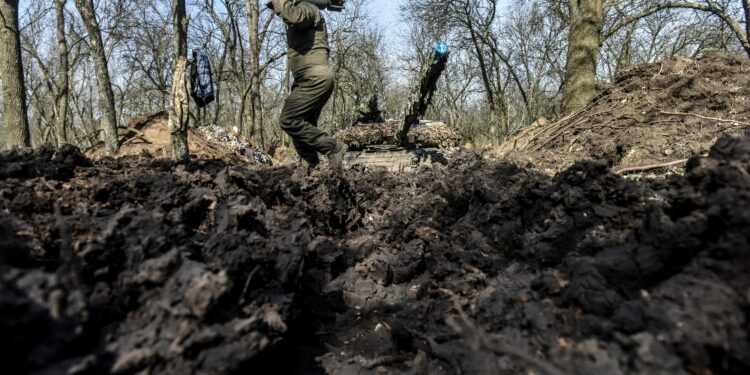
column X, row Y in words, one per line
column 311, row 91
column 335, row 155
column 314, row 115
column 292, row 109
column 307, row 153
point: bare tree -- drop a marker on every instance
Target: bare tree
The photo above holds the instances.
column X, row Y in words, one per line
column 255, row 38
column 106, row 95
column 721, row 9
column 147, row 54
column 357, row 63
column 507, row 67
column 179, row 109
column 235, row 49
column 14, row 90
column 62, row 98
column 40, row 77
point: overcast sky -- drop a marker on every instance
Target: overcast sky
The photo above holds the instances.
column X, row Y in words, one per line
column 386, row 13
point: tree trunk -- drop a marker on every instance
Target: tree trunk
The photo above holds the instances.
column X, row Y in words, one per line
column 218, row 88
column 179, row 111
column 106, row 95
column 15, row 118
column 253, row 18
column 482, row 66
column 63, row 95
column 584, row 40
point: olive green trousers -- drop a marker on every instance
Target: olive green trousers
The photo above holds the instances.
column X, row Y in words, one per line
column 310, row 92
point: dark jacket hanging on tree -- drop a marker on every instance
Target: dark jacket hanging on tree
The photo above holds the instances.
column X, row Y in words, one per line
column 201, row 79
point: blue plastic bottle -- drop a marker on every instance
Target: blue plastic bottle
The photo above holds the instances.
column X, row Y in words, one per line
column 441, row 50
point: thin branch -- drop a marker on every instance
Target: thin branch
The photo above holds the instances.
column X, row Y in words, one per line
column 650, row 167
column 705, row 117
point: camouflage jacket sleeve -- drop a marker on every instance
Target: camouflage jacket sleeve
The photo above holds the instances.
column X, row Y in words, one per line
column 297, row 14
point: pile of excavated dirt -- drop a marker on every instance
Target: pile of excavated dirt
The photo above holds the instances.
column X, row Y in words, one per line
column 150, row 135
column 651, row 114
column 477, row 267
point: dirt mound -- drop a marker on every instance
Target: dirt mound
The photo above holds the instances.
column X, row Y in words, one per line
column 46, row 161
column 652, row 114
column 150, row 135
column 478, row 267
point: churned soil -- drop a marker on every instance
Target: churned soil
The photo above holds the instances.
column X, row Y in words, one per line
column 139, row 265
column 651, row 114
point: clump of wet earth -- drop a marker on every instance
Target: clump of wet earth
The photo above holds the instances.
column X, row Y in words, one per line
column 142, row 266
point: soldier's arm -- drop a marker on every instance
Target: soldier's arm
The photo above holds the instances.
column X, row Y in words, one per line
column 301, row 14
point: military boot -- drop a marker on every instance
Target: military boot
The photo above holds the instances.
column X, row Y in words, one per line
column 336, row 156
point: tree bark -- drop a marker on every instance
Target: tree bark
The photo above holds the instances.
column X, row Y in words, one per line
column 106, row 95
column 584, row 41
column 253, row 24
column 14, row 90
column 746, row 9
column 179, row 111
column 62, row 99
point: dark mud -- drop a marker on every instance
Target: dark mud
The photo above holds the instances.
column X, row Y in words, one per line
column 471, row 268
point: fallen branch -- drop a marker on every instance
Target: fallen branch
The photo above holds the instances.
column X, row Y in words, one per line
column 704, row 117
column 560, row 125
column 93, row 134
column 572, row 125
column 133, row 139
column 563, row 124
column 132, row 134
column 133, row 130
column 644, row 168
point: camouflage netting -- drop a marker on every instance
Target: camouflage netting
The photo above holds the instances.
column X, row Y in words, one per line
column 360, row 136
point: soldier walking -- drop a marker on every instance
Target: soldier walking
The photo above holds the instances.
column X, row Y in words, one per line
column 307, row 39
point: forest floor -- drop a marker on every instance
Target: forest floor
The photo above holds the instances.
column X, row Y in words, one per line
column 478, row 266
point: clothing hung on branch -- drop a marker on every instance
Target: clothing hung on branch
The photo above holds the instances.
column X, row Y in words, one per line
column 201, row 79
